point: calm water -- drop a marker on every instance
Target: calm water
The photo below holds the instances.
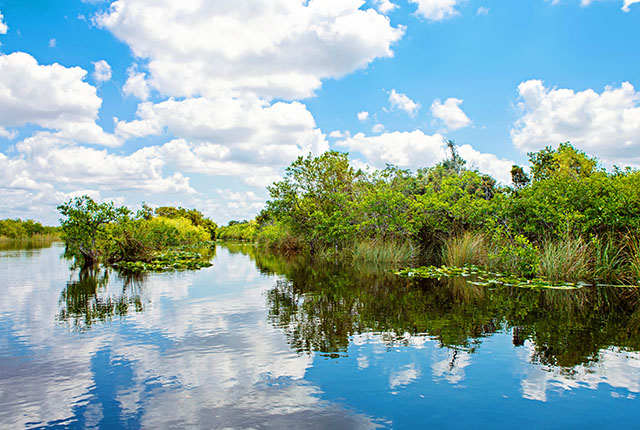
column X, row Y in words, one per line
column 257, row 341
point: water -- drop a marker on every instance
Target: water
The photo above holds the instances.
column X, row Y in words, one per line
column 258, row 341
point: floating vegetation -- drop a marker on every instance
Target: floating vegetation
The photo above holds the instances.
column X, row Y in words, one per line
column 481, row 277
column 168, row 261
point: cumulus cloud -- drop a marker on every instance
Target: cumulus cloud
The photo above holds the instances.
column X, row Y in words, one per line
column 363, row 116
column 246, row 138
column 54, row 97
column 3, row 25
column 386, row 6
column 279, row 50
column 101, row 71
column 605, row 124
column 402, row 102
column 450, row 113
column 136, row 84
column 415, row 149
column 49, row 159
column 627, row 3
column 436, row 10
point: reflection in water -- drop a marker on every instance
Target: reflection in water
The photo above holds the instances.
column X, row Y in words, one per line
column 320, row 307
column 84, row 301
column 261, row 341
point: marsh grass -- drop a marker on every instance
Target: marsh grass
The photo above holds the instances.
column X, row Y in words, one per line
column 467, row 249
column 565, row 260
column 382, row 251
column 633, row 252
column 608, row 259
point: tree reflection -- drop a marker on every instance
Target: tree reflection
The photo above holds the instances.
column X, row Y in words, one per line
column 85, row 301
column 320, row 306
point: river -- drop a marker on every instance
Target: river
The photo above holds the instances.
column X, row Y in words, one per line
column 260, row 341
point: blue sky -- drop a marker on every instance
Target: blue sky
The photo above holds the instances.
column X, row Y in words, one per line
column 203, row 103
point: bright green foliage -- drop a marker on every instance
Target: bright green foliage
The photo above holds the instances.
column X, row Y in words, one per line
column 19, row 229
column 314, row 198
column 244, row 230
column 193, row 215
column 517, row 256
column 101, row 232
column 85, row 226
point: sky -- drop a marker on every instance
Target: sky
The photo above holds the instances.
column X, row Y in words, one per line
column 203, row 103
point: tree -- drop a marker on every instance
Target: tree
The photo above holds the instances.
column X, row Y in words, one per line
column 519, row 178
column 85, row 224
column 313, row 199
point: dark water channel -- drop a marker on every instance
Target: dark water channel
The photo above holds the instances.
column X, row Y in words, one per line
column 258, row 341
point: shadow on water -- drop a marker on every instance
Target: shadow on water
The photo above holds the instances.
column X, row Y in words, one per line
column 320, row 306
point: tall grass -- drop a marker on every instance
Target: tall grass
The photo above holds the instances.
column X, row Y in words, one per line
column 633, row 252
column 608, row 260
column 382, row 251
column 44, row 237
column 565, row 260
column 467, row 249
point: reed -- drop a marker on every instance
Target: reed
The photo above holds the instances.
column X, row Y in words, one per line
column 565, row 260
column 467, row 249
column 382, row 251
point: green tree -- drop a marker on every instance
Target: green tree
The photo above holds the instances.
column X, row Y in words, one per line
column 85, row 225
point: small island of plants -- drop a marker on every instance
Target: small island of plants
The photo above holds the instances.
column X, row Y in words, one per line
column 150, row 240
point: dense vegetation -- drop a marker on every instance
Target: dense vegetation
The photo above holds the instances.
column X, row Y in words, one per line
column 104, row 233
column 569, row 220
column 321, row 306
column 17, row 229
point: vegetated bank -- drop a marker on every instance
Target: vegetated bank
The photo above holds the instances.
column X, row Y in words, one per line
column 162, row 239
column 568, row 220
column 17, row 230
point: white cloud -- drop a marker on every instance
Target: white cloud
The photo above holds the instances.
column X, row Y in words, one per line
column 48, row 159
column 402, row 102
column 3, row 25
column 484, row 10
column 585, row 3
column 136, row 84
column 101, row 71
column 386, row 6
column 498, row 168
column 377, row 128
column 54, row 97
column 363, row 116
column 415, row 149
column 436, row 10
column 450, row 113
column 405, row 149
column 606, row 125
column 7, row 134
column 248, row 139
column 252, row 46
column 339, row 134
column 52, row 43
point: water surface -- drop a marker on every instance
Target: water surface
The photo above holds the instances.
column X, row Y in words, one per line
column 259, row 341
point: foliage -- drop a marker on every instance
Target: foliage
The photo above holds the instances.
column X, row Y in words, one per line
column 85, row 226
column 169, row 261
column 194, row 216
column 103, row 233
column 239, row 230
column 17, row 229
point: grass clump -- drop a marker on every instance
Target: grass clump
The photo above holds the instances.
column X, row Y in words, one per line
column 382, row 251
column 565, row 260
column 467, row 249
